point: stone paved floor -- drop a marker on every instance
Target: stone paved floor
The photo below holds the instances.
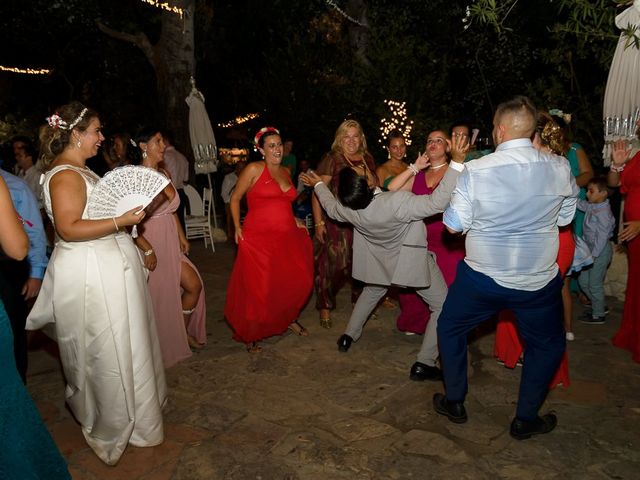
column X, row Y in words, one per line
column 302, row 410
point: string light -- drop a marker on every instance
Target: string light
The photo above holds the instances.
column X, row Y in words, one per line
column 344, row 14
column 239, row 120
column 398, row 121
column 165, row 6
column 30, row 71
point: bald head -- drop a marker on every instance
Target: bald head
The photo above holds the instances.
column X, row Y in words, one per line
column 514, row 119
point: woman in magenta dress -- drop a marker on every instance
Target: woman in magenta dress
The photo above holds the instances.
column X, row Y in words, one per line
column 272, row 276
column 448, row 248
column 176, row 288
column 626, row 174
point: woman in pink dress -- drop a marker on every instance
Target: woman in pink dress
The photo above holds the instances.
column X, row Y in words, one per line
column 175, row 285
column 448, row 248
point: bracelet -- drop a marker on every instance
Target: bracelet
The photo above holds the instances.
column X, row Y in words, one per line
column 320, row 223
column 413, row 169
column 619, row 169
column 115, row 223
column 147, row 253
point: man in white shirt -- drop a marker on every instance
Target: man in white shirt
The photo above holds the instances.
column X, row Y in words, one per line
column 510, row 204
column 178, row 167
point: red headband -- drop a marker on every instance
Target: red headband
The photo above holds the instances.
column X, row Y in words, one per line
column 262, row 131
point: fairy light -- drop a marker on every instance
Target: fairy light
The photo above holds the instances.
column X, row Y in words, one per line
column 30, row 71
column 239, row 120
column 344, row 14
column 165, row 6
column 398, row 120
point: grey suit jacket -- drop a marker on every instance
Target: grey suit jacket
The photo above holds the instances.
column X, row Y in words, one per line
column 390, row 237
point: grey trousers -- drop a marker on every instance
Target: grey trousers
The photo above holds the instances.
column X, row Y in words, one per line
column 433, row 296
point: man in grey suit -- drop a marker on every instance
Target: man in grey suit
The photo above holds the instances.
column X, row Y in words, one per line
column 390, row 245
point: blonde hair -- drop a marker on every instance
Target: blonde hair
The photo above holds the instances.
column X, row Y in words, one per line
column 53, row 139
column 341, row 132
column 551, row 134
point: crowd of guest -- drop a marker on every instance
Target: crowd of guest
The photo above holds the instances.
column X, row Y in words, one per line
column 446, row 235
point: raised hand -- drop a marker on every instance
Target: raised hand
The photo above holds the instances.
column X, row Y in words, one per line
column 310, row 178
column 459, row 148
column 422, row 161
column 620, row 154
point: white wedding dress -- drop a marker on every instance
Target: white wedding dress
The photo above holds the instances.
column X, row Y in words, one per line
column 94, row 299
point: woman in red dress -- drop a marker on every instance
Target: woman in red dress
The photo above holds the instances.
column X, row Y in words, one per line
column 626, row 174
column 272, row 276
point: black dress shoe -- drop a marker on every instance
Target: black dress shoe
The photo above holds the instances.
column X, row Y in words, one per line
column 521, row 430
column 454, row 411
column 420, row 372
column 344, row 342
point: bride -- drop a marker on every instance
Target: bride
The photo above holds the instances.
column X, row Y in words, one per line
column 95, row 301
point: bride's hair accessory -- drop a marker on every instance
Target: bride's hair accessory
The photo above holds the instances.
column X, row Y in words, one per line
column 133, row 142
column 262, row 131
column 56, row 121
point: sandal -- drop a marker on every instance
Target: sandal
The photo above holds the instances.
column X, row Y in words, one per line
column 194, row 344
column 298, row 329
column 254, row 347
column 325, row 321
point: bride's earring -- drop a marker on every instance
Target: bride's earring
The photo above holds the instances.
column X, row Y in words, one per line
column 144, row 154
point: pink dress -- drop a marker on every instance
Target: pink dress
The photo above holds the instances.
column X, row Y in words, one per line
column 449, row 250
column 161, row 231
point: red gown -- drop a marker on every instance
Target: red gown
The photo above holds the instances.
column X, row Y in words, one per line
column 272, row 276
column 628, row 337
column 508, row 345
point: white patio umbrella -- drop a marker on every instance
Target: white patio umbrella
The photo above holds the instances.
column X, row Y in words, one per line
column 203, row 142
column 621, row 108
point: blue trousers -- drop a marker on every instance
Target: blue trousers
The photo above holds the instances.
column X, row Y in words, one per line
column 474, row 298
column 591, row 280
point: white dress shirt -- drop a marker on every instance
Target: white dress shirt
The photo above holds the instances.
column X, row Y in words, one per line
column 510, row 204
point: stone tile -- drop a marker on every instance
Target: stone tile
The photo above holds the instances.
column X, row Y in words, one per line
column 134, row 463
column 420, row 442
column 362, row 428
column 185, row 433
column 68, row 436
column 581, row 393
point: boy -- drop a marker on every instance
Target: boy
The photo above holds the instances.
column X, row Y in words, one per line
column 597, row 230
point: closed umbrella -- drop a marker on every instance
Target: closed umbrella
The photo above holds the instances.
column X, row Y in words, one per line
column 203, row 141
column 621, row 108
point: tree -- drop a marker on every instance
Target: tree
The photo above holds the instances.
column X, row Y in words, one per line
column 173, row 60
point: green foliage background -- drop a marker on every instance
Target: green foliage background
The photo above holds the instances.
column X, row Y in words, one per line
column 293, row 62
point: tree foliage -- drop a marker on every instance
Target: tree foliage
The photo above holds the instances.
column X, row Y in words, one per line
column 297, row 63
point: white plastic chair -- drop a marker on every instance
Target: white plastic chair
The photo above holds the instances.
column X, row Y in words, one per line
column 198, row 222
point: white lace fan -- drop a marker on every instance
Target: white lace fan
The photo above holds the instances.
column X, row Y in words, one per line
column 124, row 188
